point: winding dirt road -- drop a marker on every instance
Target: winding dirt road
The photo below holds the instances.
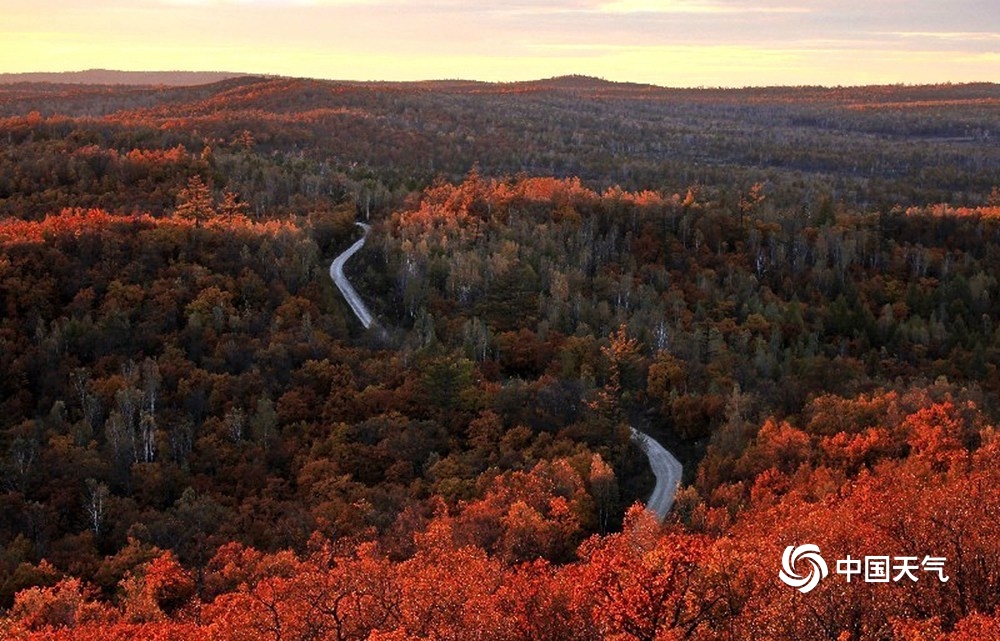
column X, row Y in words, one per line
column 350, row 294
column 666, row 468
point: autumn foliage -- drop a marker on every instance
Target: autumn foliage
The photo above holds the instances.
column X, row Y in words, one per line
column 645, row 582
column 198, row 441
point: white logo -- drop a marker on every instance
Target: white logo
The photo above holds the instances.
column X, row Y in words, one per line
column 817, row 567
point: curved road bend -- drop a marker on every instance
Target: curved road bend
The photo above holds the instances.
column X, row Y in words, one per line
column 666, row 468
column 350, row 294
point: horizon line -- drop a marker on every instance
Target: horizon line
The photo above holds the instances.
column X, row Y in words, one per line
column 246, row 74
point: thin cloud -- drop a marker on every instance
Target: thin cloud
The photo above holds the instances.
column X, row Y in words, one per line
column 958, row 36
column 693, row 7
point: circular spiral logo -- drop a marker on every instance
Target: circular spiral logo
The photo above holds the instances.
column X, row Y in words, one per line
column 817, row 567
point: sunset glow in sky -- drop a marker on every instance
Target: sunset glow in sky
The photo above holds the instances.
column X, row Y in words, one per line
column 666, row 42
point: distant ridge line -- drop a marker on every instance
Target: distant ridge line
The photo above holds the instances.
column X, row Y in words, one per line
column 112, row 77
column 565, row 83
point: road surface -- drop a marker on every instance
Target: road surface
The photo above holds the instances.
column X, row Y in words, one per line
column 350, row 294
column 667, row 470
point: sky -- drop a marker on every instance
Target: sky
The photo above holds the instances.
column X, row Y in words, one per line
column 677, row 43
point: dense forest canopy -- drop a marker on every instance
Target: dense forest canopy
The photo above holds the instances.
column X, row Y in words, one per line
column 793, row 288
column 867, row 146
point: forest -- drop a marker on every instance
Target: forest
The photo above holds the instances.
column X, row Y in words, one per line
column 793, row 289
